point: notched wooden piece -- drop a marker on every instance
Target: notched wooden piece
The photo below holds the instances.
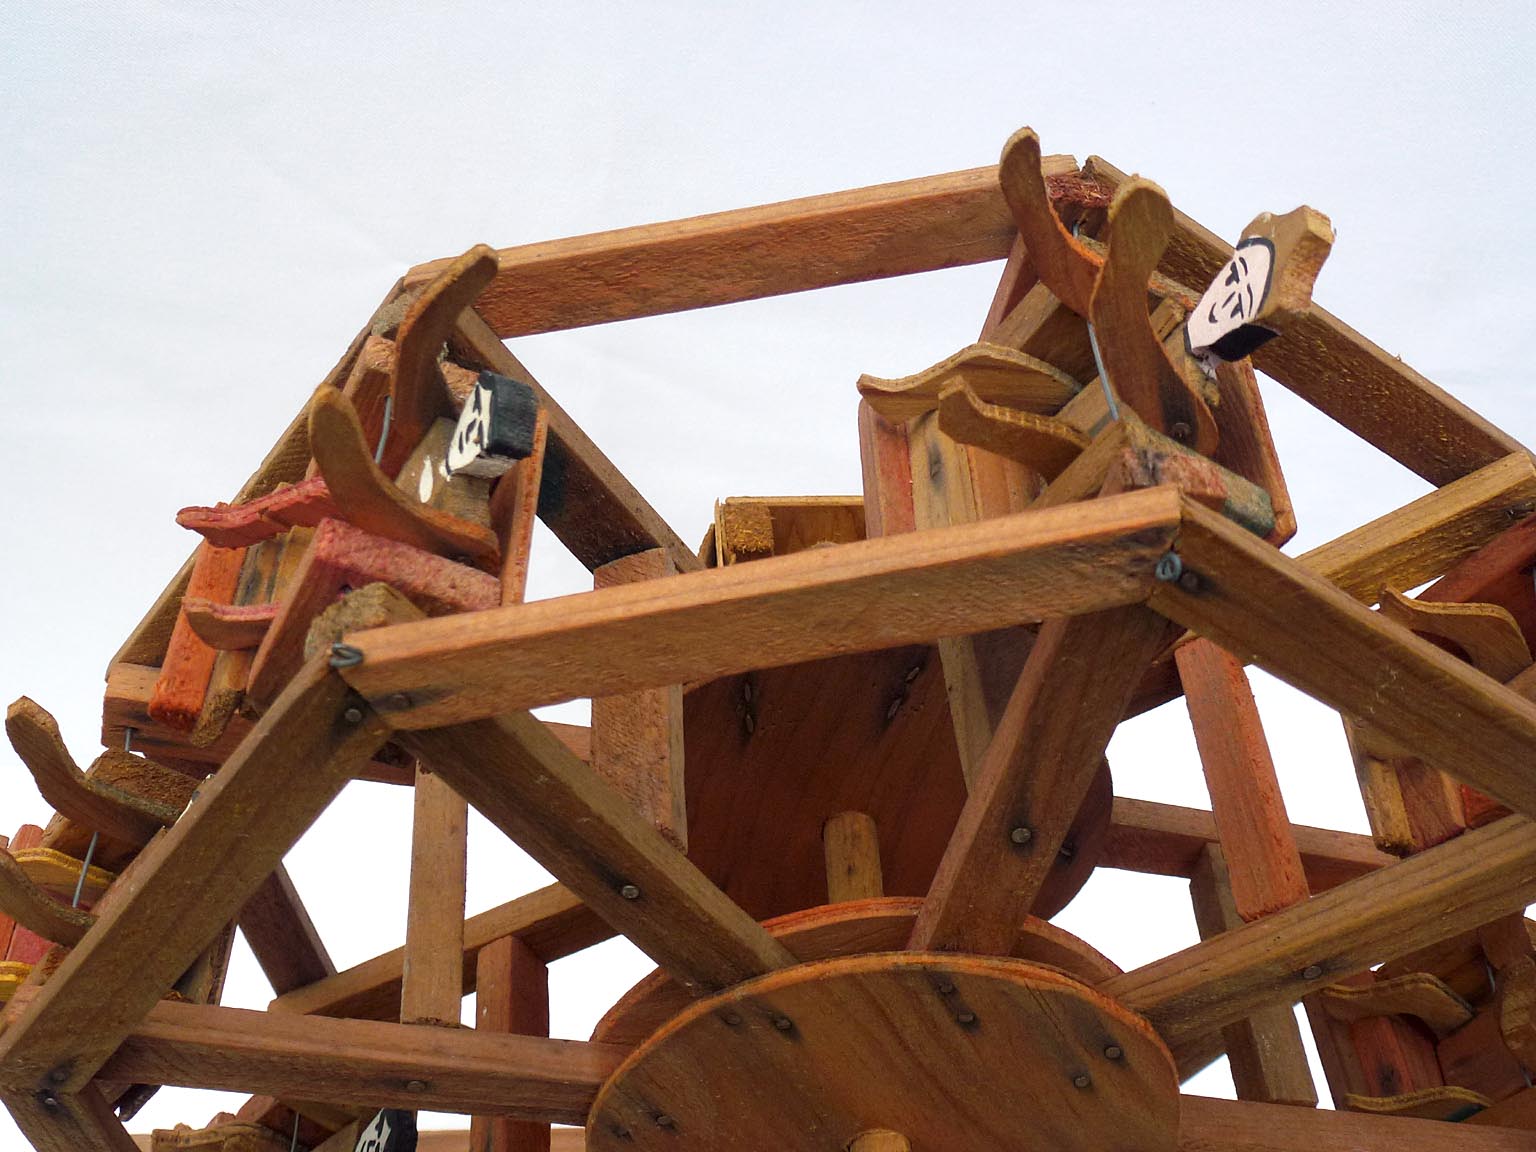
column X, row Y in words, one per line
column 1063, row 265
column 1486, row 633
column 368, row 498
column 1443, row 1103
column 30, row 905
column 997, row 375
column 1419, row 994
column 228, row 627
column 1264, row 286
column 182, row 686
column 1044, row 443
column 301, row 505
column 1139, row 367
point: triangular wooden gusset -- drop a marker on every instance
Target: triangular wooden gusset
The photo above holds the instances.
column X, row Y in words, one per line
column 847, row 759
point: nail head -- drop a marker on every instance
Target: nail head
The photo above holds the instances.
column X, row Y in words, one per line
column 1311, row 972
column 1113, row 1052
column 630, row 892
column 415, row 1085
column 966, row 1017
column 1081, row 1080
column 1022, row 834
column 783, row 1023
column 353, row 715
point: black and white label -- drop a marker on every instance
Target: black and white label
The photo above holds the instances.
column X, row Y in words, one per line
column 495, row 429
column 467, row 449
column 392, row 1130
column 1222, row 322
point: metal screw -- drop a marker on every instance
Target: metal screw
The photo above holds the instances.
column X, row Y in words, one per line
column 1311, row 971
column 1113, row 1051
column 966, row 1017
column 1081, row 1080
column 400, row 700
column 630, row 892
column 415, row 1085
column 946, row 988
column 665, row 1121
column 48, row 1100
column 1189, row 581
column 733, row 1019
column 353, row 715
column 1180, row 431
column 1022, row 835
column 1169, row 567
column 783, row 1023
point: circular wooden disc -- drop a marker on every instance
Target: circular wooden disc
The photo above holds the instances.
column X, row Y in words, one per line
column 848, row 929
column 950, row 1051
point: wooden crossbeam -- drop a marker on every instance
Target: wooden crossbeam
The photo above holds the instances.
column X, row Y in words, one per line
column 552, row 922
column 190, row 883
column 1263, row 606
column 856, row 597
column 750, row 253
column 282, row 937
column 366, row 1063
column 557, row 809
column 1467, row 882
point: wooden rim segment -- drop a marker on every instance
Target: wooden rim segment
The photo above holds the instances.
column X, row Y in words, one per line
column 949, row 1051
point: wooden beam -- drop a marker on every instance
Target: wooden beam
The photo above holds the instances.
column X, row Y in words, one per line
column 1167, row 840
column 1333, row 367
column 1269, row 609
column 552, row 921
column 1034, row 776
column 857, row 597
column 512, row 996
column 81, row 1122
column 747, row 254
column 283, row 938
column 583, row 499
column 191, row 882
column 1451, row 888
column 524, row 781
column 851, row 843
column 364, row 1063
column 432, row 991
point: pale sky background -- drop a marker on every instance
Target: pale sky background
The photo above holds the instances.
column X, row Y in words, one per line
column 200, row 204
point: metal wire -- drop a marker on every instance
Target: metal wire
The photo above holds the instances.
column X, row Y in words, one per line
column 1098, row 360
column 85, row 866
column 389, row 410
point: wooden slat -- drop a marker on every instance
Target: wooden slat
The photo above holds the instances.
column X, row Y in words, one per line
column 851, row 844
column 77, row 1123
column 524, row 781
column 1451, row 888
column 512, row 995
column 192, row 881
column 364, row 1062
column 1331, row 366
column 283, row 938
column 552, row 922
column 1034, row 776
column 585, row 501
column 434, row 923
column 793, row 246
column 1267, row 608
column 1267, row 1059
column 861, row 596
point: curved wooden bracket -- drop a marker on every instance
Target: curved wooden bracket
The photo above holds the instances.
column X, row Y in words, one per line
column 1443, row 1103
column 419, row 395
column 1487, row 633
column 228, row 627
column 29, row 905
column 369, row 500
column 1135, row 360
column 996, row 375
column 1419, row 994
column 1064, row 266
column 1044, row 443
column 105, row 809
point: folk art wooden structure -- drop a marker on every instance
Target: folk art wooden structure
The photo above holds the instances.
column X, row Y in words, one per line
column 847, row 759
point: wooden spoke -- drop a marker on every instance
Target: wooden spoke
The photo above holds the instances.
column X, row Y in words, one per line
column 852, row 846
column 1135, row 360
column 873, row 594
column 433, row 987
column 511, row 995
column 369, row 500
column 1487, row 633
column 1045, row 444
column 280, row 933
column 997, row 375
column 1064, row 266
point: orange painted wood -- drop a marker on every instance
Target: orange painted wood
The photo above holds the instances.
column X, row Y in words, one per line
column 24, row 946
column 1261, row 856
column 188, row 664
column 511, row 995
column 304, row 504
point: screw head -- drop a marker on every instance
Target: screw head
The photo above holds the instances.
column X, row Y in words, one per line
column 783, row 1023
column 966, row 1017
column 415, row 1085
column 1179, row 431
column 665, row 1121
column 732, row 1019
column 1311, row 972
column 58, row 1075
column 400, row 700
column 48, row 1100
column 630, row 892
column 1082, row 1080
column 1021, row 834
column 353, row 715
column 1113, row 1051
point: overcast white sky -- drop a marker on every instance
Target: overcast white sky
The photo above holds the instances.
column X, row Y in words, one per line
column 200, row 204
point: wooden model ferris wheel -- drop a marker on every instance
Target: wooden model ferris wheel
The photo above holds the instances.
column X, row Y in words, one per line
column 846, row 760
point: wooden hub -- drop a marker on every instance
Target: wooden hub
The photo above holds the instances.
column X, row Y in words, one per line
column 948, row 1051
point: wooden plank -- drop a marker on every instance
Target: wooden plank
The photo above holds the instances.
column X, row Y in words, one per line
column 1261, row 861
column 862, row 596
column 586, row 502
column 84, row 1122
column 1034, row 776
column 192, row 881
column 364, row 1062
column 1167, row 840
column 886, row 467
column 1267, row 1059
column 183, row 682
column 512, row 995
column 1270, row 609
column 1467, row 882
column 852, row 847
column 283, row 938
column 434, row 924
column 1333, row 367
column 514, row 508
column 637, row 737
column 552, row 921
column 524, row 781
column 747, row 254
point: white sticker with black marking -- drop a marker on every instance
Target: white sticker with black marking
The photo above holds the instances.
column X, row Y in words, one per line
column 467, row 449
column 1234, row 298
